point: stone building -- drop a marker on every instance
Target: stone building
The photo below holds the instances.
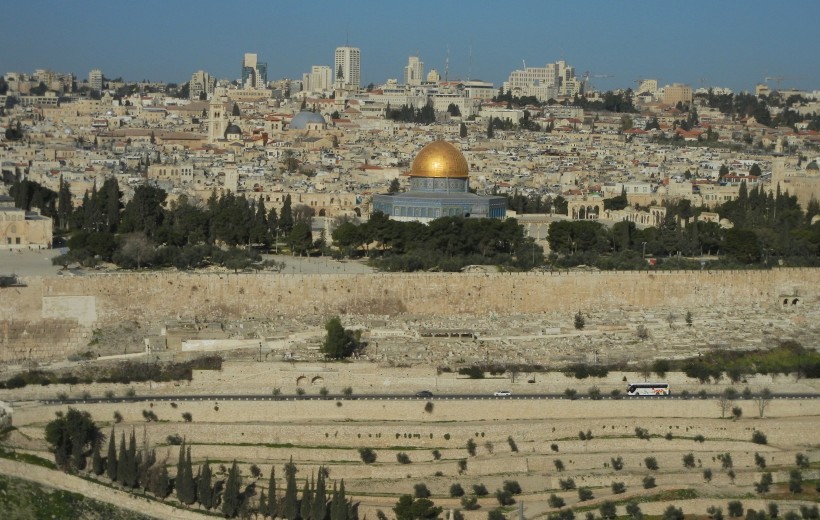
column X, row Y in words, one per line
column 20, row 229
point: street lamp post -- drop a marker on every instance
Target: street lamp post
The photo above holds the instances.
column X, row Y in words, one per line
column 643, row 252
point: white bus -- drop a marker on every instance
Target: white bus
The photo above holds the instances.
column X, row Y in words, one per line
column 647, row 389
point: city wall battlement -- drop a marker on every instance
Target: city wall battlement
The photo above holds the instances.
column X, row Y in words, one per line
column 78, row 304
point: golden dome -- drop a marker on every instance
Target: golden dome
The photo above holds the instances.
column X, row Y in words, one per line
column 440, row 159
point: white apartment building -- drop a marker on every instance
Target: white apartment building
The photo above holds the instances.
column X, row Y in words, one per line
column 347, row 67
column 414, row 71
column 319, row 79
column 553, row 80
column 95, row 79
column 201, row 82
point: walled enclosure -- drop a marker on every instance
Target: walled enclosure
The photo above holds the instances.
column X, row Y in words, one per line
column 51, row 317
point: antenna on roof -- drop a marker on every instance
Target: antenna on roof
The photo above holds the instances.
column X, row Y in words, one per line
column 447, row 63
column 470, row 64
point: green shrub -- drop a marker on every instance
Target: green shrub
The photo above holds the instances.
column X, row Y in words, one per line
column 735, row 508
column 420, row 490
column 567, row 484
column 402, row 458
column 513, row 445
column 648, row 482
column 689, row 460
column 367, row 455
column 512, row 486
column 471, row 447
column 480, row 490
column 456, row 490
column 584, row 494
column 617, row 463
column 642, row 433
column 473, row 372
column 504, row 497
column 555, row 501
column 559, row 465
column 651, row 463
column 436, row 455
column 469, row 503
column 618, row 488
column 758, row 437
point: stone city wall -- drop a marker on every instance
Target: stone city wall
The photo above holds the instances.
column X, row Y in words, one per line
column 99, row 300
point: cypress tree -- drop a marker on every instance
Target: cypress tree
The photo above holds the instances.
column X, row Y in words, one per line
column 159, row 482
column 190, row 487
column 111, row 459
column 132, row 467
column 338, row 509
column 272, row 495
column 122, row 462
column 319, row 508
column 307, row 502
column 263, row 504
column 290, row 506
column 96, row 460
column 205, row 490
column 230, row 496
column 180, row 476
column 286, row 216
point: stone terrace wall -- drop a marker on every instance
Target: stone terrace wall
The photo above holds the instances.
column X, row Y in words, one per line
column 108, row 299
column 227, row 296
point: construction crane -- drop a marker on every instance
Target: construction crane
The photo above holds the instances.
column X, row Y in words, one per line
column 588, row 85
column 777, row 79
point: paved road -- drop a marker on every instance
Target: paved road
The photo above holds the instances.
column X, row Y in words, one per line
column 393, row 397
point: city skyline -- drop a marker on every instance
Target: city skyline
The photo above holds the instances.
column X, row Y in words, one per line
column 700, row 43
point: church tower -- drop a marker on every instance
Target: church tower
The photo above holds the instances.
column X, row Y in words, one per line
column 217, row 115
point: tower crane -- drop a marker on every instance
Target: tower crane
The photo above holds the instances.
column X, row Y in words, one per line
column 588, row 85
column 777, row 79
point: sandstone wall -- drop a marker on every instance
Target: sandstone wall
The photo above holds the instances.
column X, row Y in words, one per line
column 108, row 299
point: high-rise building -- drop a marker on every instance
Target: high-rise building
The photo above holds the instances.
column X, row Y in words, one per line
column 347, row 67
column 319, row 79
column 414, row 71
column 254, row 72
column 201, row 82
column 95, row 79
column 433, row 76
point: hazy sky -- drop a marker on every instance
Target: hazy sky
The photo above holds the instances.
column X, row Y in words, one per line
column 713, row 42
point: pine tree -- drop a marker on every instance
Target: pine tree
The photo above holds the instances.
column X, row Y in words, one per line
column 231, row 499
column 290, row 507
column 204, row 487
column 306, row 503
column 122, row 461
column 111, row 459
column 318, row 510
column 96, row 460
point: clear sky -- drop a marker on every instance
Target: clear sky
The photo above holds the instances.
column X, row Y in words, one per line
column 712, row 42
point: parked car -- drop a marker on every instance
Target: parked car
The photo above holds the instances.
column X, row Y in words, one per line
column 424, row 393
column 502, row 393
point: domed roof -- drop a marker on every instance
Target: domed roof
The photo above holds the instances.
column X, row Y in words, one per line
column 305, row 117
column 440, row 159
column 233, row 129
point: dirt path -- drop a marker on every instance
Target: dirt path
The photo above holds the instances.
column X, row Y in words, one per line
column 59, row 480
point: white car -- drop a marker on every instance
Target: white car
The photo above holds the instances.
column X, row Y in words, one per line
column 502, row 393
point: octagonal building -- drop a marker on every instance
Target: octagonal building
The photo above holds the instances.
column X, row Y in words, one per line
column 439, row 187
